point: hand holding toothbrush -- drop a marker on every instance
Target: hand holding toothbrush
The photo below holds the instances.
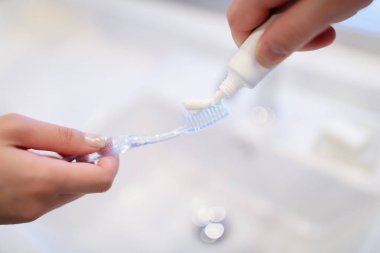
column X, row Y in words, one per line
column 31, row 184
column 305, row 25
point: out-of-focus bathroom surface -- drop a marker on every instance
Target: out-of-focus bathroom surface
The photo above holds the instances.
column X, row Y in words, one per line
column 294, row 168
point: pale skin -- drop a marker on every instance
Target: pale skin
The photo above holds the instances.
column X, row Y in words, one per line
column 32, row 185
column 305, row 25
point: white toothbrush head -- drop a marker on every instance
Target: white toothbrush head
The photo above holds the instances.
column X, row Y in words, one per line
column 195, row 122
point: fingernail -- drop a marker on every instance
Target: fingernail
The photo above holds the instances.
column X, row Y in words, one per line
column 269, row 55
column 95, row 140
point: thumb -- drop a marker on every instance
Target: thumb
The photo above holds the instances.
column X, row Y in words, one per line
column 21, row 131
column 291, row 31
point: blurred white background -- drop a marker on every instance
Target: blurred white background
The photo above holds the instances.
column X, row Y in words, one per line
column 295, row 168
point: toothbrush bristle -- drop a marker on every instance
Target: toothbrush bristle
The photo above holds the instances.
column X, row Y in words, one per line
column 205, row 117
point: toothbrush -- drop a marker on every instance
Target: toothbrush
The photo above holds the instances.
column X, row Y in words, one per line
column 243, row 71
column 193, row 123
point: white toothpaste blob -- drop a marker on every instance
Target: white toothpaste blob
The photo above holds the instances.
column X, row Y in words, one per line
column 243, row 71
column 196, row 105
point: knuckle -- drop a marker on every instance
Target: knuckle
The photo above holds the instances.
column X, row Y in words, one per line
column 13, row 123
column 66, row 135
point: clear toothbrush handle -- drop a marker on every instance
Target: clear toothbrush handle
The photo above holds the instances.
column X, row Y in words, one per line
column 137, row 141
column 120, row 144
column 112, row 148
column 192, row 123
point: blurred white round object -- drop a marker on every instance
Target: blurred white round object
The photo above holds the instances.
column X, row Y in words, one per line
column 214, row 231
column 217, row 214
column 201, row 217
column 262, row 115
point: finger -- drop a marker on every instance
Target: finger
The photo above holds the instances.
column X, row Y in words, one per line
column 245, row 15
column 322, row 40
column 80, row 178
column 52, row 176
column 297, row 26
column 28, row 133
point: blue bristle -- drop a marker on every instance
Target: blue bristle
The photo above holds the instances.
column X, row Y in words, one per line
column 205, row 118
